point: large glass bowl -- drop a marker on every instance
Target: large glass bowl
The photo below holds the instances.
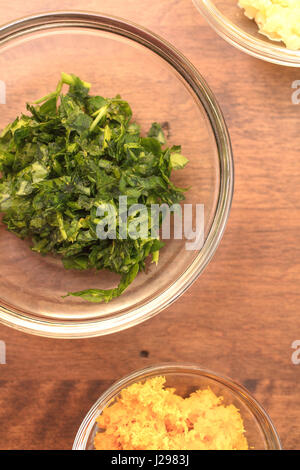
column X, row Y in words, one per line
column 260, row 431
column 161, row 85
column 231, row 24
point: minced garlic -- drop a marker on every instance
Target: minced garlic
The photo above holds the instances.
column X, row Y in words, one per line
column 279, row 20
column 148, row 416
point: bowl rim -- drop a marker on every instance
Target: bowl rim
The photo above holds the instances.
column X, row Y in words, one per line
column 245, row 42
column 264, row 421
column 14, row 317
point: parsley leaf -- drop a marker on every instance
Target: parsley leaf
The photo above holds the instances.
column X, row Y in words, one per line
column 72, row 153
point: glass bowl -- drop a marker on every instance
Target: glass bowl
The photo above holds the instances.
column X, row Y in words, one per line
column 260, row 431
column 161, row 85
column 231, row 24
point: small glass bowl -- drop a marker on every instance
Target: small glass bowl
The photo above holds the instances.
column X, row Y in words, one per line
column 185, row 378
column 230, row 22
column 161, row 85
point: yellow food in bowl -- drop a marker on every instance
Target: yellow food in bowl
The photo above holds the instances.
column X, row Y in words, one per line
column 148, row 416
column 279, row 20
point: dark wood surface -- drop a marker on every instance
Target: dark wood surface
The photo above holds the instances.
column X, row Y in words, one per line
column 241, row 317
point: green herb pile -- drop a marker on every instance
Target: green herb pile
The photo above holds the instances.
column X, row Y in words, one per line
column 73, row 153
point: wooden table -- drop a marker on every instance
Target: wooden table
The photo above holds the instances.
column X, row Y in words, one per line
column 241, row 317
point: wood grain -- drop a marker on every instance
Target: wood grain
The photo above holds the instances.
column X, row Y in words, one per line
column 241, row 317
